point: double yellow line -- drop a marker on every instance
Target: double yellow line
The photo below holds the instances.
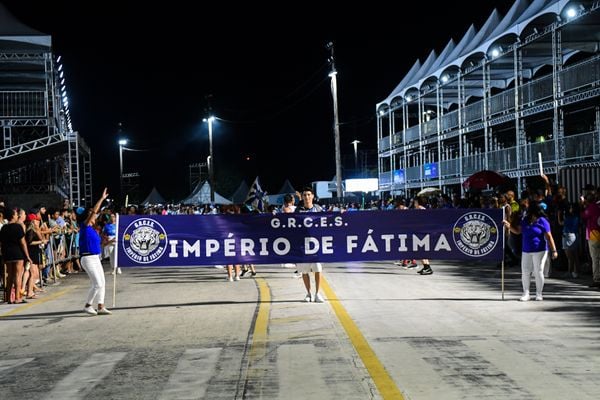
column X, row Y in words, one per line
column 382, row 379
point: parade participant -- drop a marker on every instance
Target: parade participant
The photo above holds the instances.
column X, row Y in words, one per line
column 109, row 237
column 305, row 268
column 535, row 229
column 89, row 245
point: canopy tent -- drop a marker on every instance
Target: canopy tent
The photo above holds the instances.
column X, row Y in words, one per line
column 287, row 188
column 154, row 198
column 239, row 196
column 497, row 33
column 201, row 195
column 277, row 199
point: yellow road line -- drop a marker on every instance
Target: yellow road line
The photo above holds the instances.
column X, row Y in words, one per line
column 35, row 303
column 259, row 336
column 384, row 382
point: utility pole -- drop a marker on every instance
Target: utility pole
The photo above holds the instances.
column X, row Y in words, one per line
column 211, row 168
column 336, row 124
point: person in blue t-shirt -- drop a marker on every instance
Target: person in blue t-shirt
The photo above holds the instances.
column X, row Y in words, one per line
column 109, row 236
column 90, row 250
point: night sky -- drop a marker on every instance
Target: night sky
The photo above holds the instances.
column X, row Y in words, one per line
column 152, row 67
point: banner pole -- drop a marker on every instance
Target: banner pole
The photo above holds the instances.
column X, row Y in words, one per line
column 115, row 267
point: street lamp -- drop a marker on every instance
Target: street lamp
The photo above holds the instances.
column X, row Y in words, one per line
column 211, row 182
column 336, row 124
column 355, row 143
column 122, row 142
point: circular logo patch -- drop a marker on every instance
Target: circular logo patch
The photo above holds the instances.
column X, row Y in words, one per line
column 144, row 240
column 475, row 234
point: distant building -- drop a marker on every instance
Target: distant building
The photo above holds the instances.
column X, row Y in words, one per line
column 525, row 83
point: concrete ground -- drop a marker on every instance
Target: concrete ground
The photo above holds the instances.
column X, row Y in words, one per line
column 383, row 332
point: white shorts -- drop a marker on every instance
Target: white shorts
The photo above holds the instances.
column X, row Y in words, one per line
column 305, row 268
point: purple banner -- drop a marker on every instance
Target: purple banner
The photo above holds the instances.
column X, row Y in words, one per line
column 195, row 240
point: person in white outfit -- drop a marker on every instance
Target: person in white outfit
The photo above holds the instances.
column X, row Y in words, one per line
column 89, row 245
column 305, row 268
column 535, row 230
column 109, row 237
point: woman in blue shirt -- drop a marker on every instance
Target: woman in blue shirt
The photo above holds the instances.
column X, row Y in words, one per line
column 536, row 236
column 89, row 247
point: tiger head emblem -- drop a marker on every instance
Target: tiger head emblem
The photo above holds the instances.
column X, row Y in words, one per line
column 144, row 240
column 475, row 233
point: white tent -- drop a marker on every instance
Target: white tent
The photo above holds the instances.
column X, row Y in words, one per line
column 201, row 195
column 154, row 198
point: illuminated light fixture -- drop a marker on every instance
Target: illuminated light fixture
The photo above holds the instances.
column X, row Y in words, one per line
column 62, row 74
column 445, row 78
column 381, row 113
column 571, row 12
column 408, row 98
column 62, row 81
column 58, row 59
column 495, row 53
column 332, row 73
column 59, row 67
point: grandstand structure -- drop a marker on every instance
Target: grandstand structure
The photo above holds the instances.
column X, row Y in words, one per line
column 524, row 84
column 42, row 159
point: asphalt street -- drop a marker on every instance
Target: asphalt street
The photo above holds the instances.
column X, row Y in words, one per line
column 383, row 332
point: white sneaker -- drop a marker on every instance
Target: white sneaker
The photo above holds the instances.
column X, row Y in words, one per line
column 90, row 310
column 104, row 311
column 230, row 279
column 525, row 298
column 539, row 297
column 319, row 298
column 119, row 271
column 237, row 277
column 308, row 298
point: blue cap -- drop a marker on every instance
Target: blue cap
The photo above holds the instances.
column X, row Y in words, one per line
column 79, row 210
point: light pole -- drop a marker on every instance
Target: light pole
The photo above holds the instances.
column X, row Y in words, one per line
column 336, row 124
column 355, row 143
column 122, row 142
column 211, row 163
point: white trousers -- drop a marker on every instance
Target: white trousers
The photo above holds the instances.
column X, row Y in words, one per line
column 93, row 266
column 533, row 262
